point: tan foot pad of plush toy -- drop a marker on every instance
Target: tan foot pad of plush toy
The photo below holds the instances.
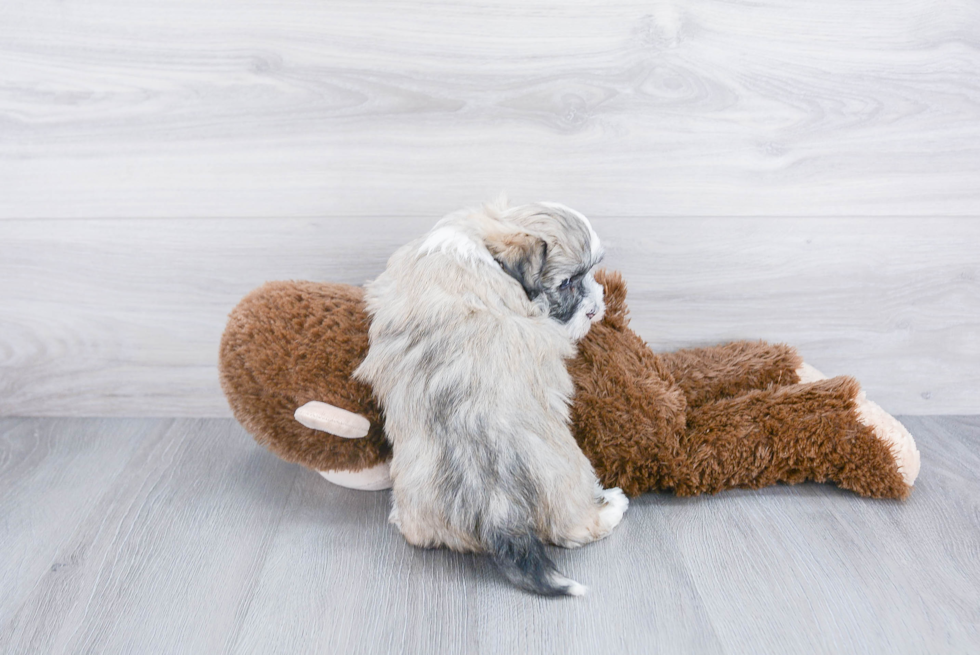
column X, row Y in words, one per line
column 376, row 478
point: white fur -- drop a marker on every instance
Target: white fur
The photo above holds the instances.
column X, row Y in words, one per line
column 451, row 241
column 581, row 323
column 574, row 588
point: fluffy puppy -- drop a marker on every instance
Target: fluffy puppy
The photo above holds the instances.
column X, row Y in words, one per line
column 470, row 329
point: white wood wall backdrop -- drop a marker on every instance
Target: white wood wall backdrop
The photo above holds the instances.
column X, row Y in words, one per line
column 177, row 108
column 160, row 159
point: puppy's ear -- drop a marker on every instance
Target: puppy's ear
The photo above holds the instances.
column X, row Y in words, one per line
column 522, row 256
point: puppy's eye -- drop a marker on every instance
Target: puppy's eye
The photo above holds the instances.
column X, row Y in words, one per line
column 565, row 283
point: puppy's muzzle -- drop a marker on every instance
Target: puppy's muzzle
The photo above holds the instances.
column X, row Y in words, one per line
column 591, row 313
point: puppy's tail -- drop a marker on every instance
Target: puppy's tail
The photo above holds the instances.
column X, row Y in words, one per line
column 522, row 559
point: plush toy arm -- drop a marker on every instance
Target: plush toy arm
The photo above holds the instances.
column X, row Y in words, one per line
column 339, row 422
column 334, row 420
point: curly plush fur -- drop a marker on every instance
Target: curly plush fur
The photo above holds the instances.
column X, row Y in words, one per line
column 694, row 421
column 288, row 343
column 707, row 419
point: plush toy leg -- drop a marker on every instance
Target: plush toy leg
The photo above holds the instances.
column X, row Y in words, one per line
column 813, row 431
column 375, row 478
column 731, row 369
column 339, row 422
column 886, row 426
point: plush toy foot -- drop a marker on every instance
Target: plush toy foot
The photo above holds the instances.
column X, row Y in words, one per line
column 887, row 428
column 612, row 504
column 375, row 478
column 807, row 373
column 334, row 420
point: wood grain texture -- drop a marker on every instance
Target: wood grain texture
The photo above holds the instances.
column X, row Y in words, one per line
column 53, row 474
column 182, row 527
column 123, row 318
column 661, row 108
column 185, row 537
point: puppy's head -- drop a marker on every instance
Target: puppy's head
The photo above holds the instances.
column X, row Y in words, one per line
column 552, row 254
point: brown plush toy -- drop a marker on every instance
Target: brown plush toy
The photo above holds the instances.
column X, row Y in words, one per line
column 744, row 414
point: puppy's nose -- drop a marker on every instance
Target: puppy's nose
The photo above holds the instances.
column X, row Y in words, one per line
column 591, row 313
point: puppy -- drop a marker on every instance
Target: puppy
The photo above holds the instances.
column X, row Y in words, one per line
column 470, row 329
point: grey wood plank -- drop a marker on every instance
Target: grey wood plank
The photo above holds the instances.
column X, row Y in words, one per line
column 362, row 589
column 204, row 543
column 105, row 317
column 351, row 108
column 164, row 562
column 53, row 473
column 820, row 571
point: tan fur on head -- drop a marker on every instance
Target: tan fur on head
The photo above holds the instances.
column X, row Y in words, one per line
column 521, row 255
column 471, row 328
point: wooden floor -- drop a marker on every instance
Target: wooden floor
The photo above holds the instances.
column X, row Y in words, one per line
column 183, row 536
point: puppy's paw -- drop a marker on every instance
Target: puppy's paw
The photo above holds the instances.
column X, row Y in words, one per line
column 615, row 497
column 888, row 429
column 610, row 505
column 611, row 513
